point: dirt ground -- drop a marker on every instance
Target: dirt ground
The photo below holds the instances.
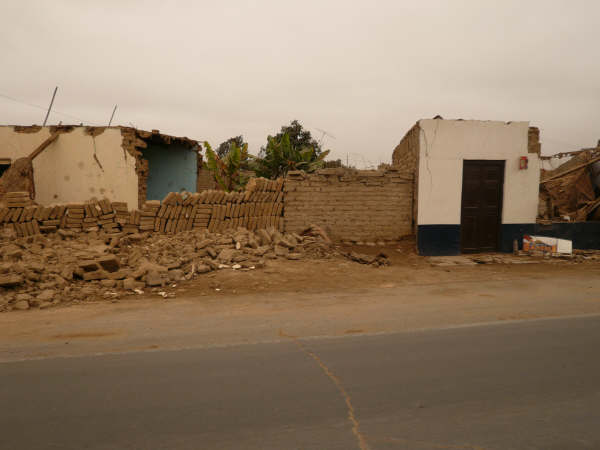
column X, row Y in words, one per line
column 339, row 274
column 329, row 297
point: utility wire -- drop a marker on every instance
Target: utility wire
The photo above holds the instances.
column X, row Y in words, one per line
column 79, row 119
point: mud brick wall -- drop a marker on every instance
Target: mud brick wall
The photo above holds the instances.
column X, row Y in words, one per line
column 406, row 158
column 259, row 206
column 533, row 141
column 205, row 180
column 406, row 154
column 351, row 205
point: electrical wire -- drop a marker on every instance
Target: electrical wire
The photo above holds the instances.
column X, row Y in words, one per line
column 54, row 111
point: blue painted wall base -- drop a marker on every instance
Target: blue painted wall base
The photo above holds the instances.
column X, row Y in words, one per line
column 585, row 235
column 444, row 240
column 438, row 240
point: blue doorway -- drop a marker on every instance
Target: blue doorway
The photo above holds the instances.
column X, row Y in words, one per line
column 171, row 168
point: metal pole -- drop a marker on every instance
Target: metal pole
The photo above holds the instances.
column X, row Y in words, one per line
column 112, row 115
column 50, row 107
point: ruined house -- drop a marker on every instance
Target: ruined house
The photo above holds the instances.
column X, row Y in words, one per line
column 116, row 162
column 569, row 203
column 476, row 183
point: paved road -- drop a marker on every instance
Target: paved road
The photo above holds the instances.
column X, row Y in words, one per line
column 518, row 385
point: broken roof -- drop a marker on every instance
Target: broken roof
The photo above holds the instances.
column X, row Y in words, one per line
column 97, row 130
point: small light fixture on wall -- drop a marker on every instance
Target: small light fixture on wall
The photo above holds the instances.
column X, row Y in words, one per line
column 523, row 160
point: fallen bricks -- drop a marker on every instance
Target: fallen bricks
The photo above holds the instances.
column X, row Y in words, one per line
column 44, row 270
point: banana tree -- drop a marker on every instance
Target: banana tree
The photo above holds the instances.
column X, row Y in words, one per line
column 280, row 156
column 227, row 170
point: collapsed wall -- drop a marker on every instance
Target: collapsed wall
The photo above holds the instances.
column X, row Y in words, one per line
column 259, row 206
column 351, row 205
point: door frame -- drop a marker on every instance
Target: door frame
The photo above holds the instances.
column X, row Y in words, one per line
column 502, row 164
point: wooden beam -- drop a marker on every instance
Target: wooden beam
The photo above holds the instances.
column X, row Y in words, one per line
column 572, row 169
column 43, row 145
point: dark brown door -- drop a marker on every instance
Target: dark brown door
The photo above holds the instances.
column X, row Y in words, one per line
column 481, row 211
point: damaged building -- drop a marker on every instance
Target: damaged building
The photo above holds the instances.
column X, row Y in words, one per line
column 83, row 162
column 569, row 197
column 476, row 183
column 458, row 186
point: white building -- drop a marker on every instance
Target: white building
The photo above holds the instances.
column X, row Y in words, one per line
column 476, row 183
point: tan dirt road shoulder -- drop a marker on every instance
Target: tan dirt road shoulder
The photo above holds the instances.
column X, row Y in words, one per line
column 326, row 298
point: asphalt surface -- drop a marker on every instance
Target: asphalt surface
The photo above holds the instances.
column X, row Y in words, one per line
column 518, row 385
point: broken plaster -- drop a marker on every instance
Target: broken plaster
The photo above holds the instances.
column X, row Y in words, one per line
column 27, row 128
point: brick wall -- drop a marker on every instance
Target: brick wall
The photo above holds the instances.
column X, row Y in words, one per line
column 533, row 141
column 259, row 206
column 406, row 158
column 351, row 205
column 205, row 179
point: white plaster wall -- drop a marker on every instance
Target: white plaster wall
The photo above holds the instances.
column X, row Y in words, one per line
column 67, row 171
column 444, row 144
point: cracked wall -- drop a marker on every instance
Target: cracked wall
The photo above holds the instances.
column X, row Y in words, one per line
column 445, row 144
column 84, row 162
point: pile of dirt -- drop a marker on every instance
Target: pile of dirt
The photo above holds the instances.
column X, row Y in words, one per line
column 44, row 270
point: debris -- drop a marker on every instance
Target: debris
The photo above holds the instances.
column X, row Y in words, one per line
column 47, row 295
column 76, row 266
column 109, row 263
column 21, row 305
column 380, row 259
column 8, row 281
column 203, row 268
column 540, row 245
column 567, row 192
column 154, row 278
column 131, row 284
column 316, row 231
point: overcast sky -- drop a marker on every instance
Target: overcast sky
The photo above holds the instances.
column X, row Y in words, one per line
column 364, row 71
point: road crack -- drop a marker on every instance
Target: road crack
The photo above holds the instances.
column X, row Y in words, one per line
column 360, row 437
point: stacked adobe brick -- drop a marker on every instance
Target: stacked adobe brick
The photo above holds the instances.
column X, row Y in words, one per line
column 260, row 206
column 20, row 211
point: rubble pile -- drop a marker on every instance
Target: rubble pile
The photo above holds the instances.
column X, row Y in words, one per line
column 44, row 270
column 570, row 192
column 260, row 205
